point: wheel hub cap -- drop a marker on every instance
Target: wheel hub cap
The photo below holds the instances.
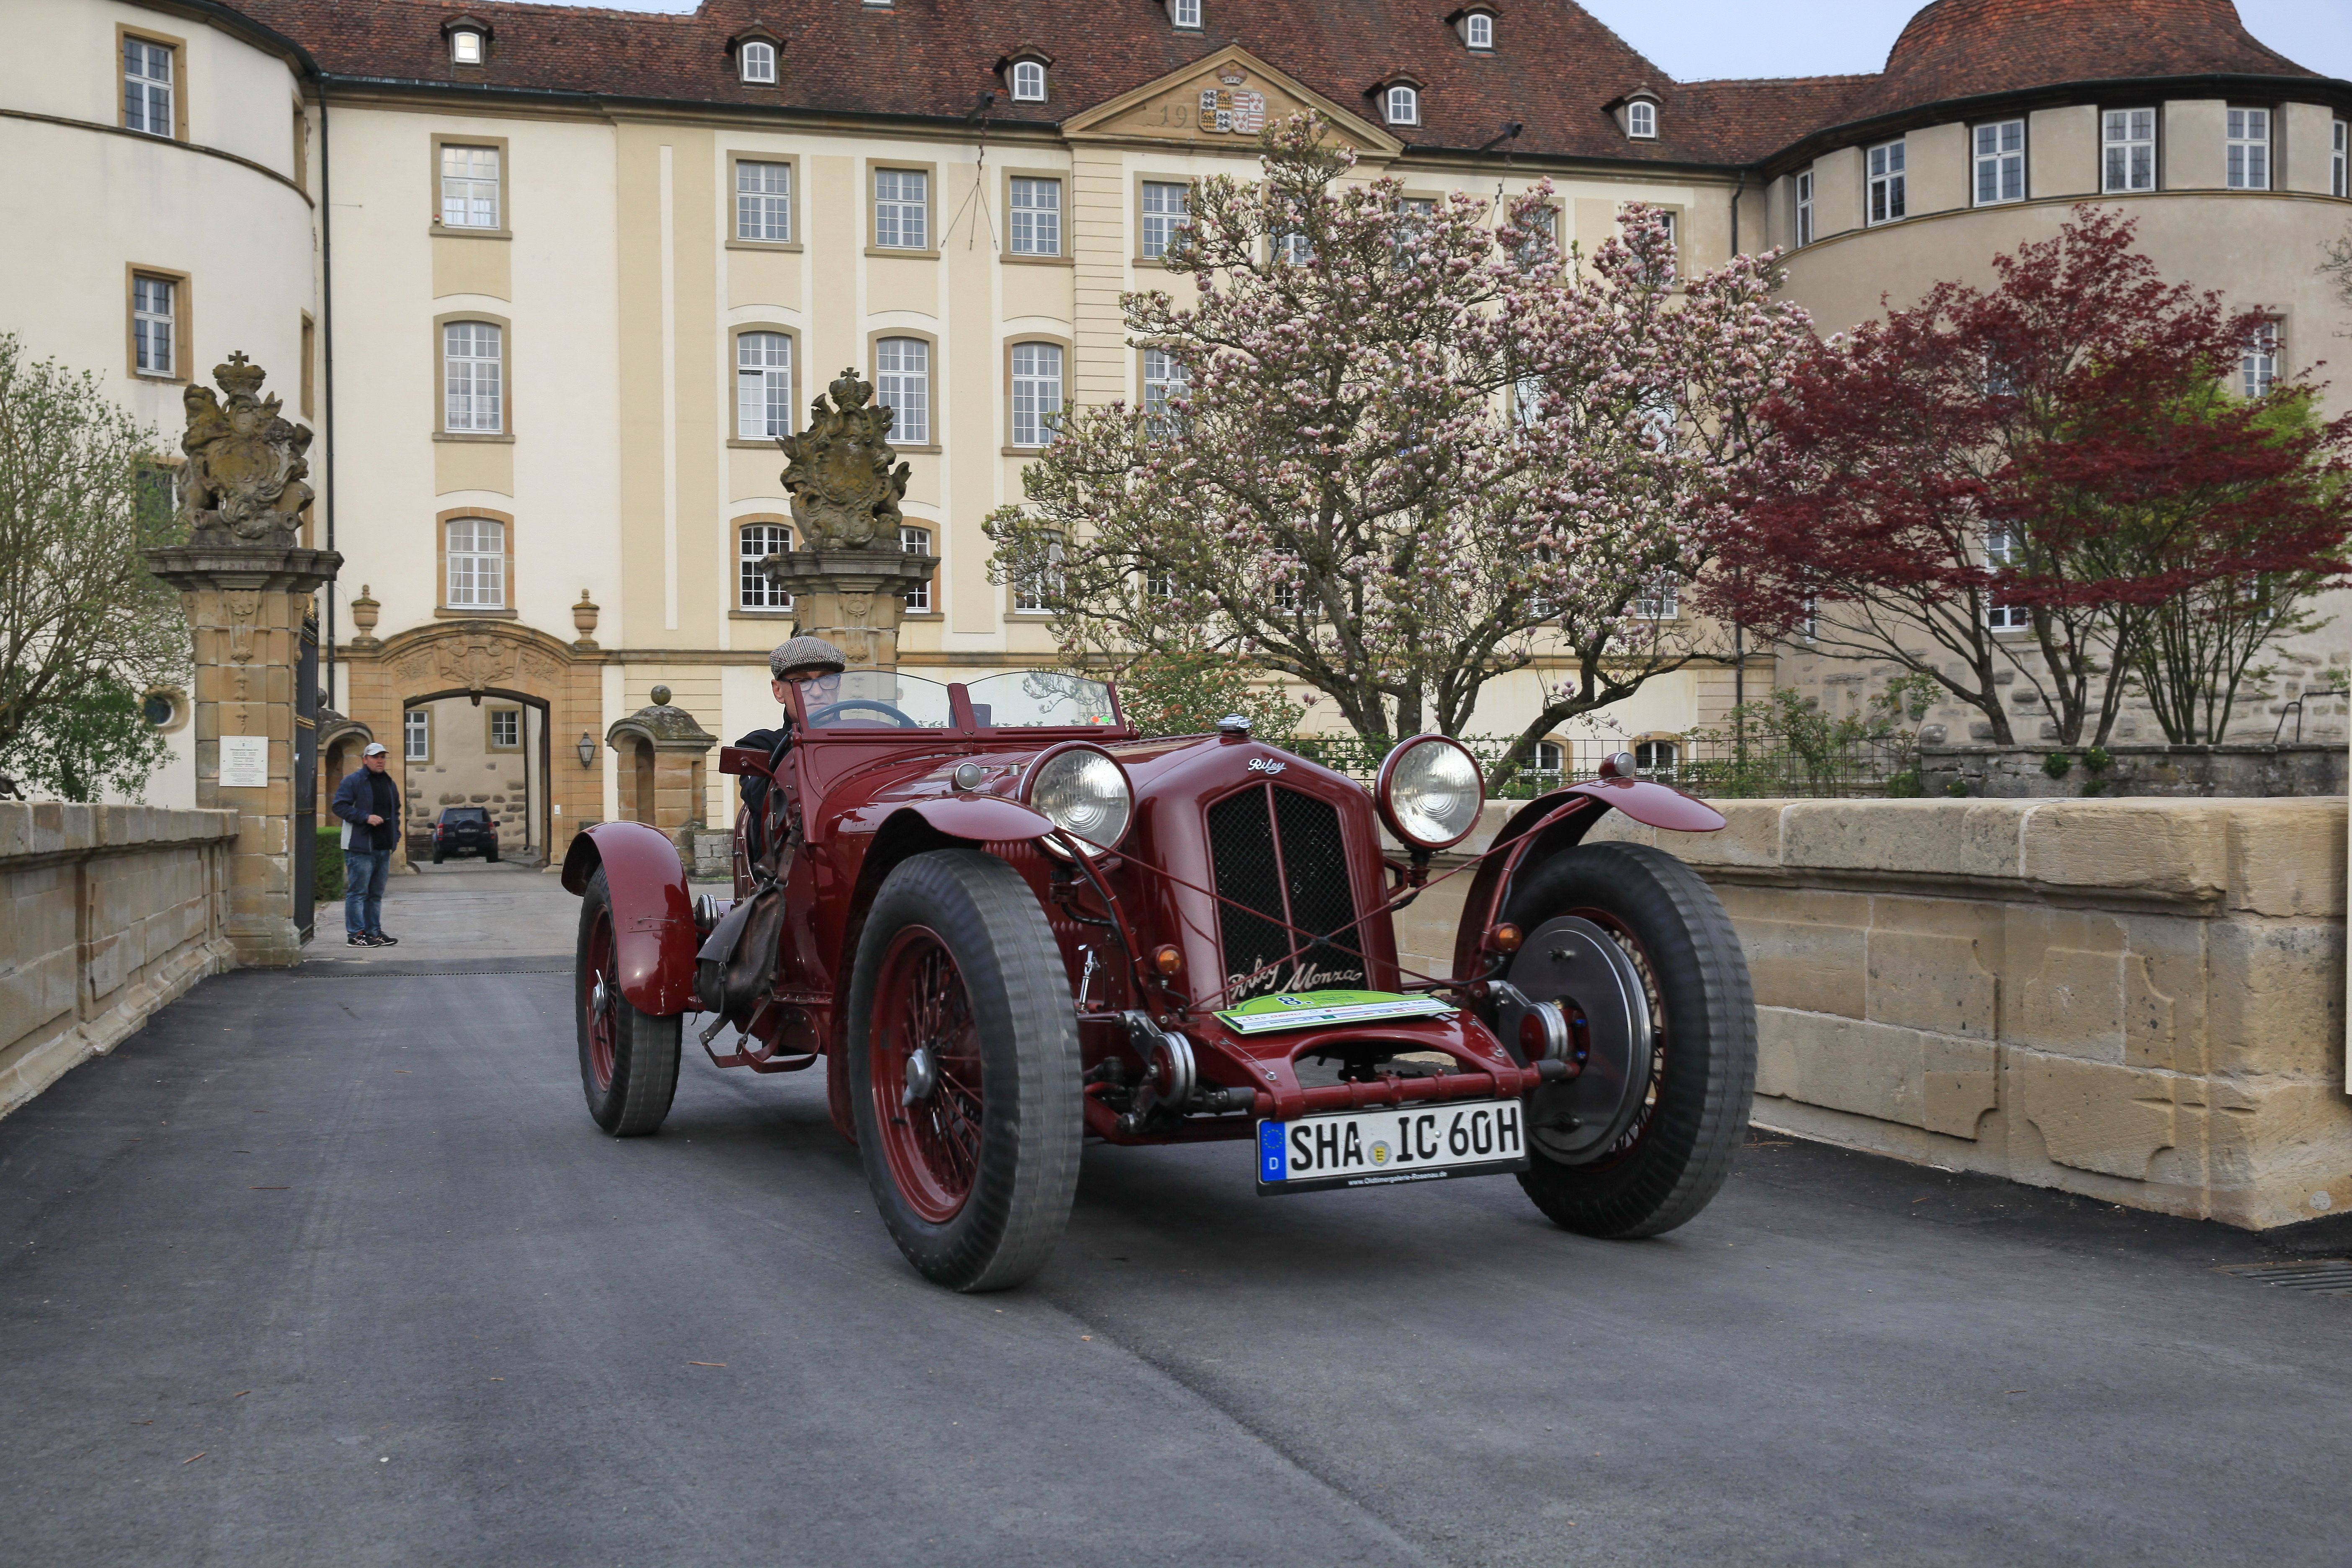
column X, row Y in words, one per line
column 922, row 1075
column 1573, row 962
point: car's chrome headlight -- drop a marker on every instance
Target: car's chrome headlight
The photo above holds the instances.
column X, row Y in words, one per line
column 1430, row 791
column 1084, row 793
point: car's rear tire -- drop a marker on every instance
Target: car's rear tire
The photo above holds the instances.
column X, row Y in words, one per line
column 492, row 855
column 962, row 1068
column 1676, row 1149
column 628, row 1059
column 436, row 857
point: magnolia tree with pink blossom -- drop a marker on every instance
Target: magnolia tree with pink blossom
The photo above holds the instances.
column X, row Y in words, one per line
column 1407, row 448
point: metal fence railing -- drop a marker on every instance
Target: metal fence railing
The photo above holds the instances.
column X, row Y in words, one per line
column 1727, row 766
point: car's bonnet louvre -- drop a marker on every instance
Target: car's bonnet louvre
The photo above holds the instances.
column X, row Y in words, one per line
column 1279, row 857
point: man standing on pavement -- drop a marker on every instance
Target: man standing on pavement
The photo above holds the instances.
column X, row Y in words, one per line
column 369, row 803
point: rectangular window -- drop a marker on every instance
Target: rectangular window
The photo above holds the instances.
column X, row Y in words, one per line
column 416, row 735
column 154, row 325
column 2249, row 149
column 2001, row 162
column 755, row 542
column 763, row 385
column 1805, row 208
column 478, row 563
column 2128, row 149
column 472, row 379
column 901, row 209
column 1886, row 181
column 1032, row 590
column 1165, row 208
column 1414, row 215
column 917, row 541
column 2002, row 549
column 2258, row 367
column 1184, row 12
column 469, row 188
column 2340, row 182
column 902, row 383
column 147, row 88
column 1163, row 385
column 1036, row 217
column 1542, row 242
column 1036, row 393
column 506, row 728
column 1660, row 601
column 763, row 201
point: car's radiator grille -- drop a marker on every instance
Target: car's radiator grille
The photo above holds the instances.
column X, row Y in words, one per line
column 1279, row 854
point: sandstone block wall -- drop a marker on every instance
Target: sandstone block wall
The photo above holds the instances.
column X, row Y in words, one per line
column 106, row 913
column 2140, row 1000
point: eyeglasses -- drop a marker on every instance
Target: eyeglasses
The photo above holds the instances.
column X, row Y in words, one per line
column 816, row 681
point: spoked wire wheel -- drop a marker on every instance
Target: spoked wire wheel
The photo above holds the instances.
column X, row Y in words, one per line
column 628, row 1059
column 599, row 989
column 928, row 1079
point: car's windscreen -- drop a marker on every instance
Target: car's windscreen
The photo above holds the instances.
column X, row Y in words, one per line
column 874, row 699
column 1029, row 698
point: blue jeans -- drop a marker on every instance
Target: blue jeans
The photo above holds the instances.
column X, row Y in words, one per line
column 363, row 874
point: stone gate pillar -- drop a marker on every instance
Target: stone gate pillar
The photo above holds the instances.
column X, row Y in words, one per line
column 664, row 753
column 246, row 585
column 849, row 581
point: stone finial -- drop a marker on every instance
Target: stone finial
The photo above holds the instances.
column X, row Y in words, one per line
column 583, row 621
column 365, row 611
column 246, row 465
column 845, row 491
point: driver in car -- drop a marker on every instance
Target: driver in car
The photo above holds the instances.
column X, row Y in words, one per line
column 814, row 666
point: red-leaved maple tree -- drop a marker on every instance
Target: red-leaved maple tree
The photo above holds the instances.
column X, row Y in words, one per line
column 2037, row 478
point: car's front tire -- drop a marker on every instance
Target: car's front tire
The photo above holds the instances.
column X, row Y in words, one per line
column 962, row 1070
column 628, row 1059
column 1690, row 1098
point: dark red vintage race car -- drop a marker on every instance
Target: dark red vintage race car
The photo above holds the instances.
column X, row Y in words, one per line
column 1008, row 923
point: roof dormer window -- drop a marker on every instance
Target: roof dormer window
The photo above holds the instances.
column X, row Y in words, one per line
column 757, row 61
column 1641, row 119
column 469, row 40
column 1028, row 81
column 1479, row 30
column 1184, row 13
column 1400, row 102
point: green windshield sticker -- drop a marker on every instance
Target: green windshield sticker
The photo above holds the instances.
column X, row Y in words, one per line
column 1314, row 1009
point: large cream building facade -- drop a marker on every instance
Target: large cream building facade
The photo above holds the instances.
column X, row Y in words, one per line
column 573, row 270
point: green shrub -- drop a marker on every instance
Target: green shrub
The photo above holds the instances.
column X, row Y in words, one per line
column 1957, row 787
column 327, row 874
column 2097, row 760
column 2057, row 764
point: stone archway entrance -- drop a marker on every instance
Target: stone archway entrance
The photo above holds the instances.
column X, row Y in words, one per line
column 494, row 662
column 488, row 749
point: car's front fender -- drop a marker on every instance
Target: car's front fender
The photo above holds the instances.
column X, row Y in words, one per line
column 653, row 935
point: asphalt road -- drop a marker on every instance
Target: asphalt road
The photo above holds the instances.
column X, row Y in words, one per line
column 333, row 1268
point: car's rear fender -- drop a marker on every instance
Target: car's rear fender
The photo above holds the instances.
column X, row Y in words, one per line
column 654, row 934
column 1552, row 824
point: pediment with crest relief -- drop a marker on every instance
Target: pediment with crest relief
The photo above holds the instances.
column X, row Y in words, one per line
column 1220, row 102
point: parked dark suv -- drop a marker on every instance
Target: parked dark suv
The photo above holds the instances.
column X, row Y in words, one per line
column 464, row 830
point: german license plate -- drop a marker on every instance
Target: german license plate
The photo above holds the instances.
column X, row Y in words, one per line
column 1391, row 1147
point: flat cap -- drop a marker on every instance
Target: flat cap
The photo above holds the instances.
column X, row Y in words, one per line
column 805, row 653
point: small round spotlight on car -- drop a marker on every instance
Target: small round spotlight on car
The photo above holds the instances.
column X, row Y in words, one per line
column 1430, row 791
column 1081, row 790
column 1616, row 765
column 1169, row 960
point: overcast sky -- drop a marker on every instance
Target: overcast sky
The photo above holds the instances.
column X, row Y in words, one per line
column 1695, row 39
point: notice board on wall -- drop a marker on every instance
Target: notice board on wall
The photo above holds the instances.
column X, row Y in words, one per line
column 245, row 762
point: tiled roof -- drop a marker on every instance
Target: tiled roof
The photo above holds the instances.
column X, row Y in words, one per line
column 1958, row 48
column 1554, row 69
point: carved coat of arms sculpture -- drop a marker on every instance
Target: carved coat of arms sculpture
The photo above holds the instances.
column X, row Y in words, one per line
column 845, row 493
column 246, row 465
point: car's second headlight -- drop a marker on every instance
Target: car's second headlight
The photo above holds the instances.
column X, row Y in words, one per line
column 1086, row 794
column 1433, row 791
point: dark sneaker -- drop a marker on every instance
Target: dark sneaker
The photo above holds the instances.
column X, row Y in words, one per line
column 359, row 939
column 383, row 941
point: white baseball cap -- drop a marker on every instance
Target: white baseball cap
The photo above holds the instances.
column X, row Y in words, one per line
column 375, row 749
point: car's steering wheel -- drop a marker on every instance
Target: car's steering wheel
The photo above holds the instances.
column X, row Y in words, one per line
column 825, row 714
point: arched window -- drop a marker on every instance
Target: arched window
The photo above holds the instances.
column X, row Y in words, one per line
column 754, row 542
column 466, row 47
column 1028, row 81
column 1036, row 393
column 758, row 61
column 763, row 385
column 1404, row 105
column 1655, row 759
column 478, row 563
column 902, row 383
column 1478, row 30
column 1641, row 119
column 473, row 379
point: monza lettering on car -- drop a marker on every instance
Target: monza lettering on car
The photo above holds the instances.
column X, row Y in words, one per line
column 1376, row 1148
